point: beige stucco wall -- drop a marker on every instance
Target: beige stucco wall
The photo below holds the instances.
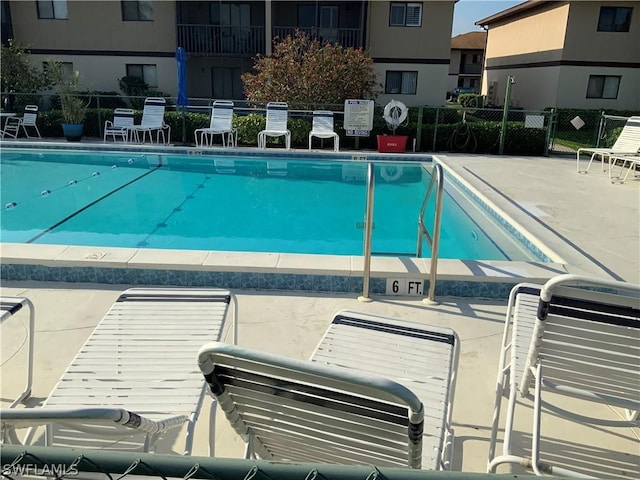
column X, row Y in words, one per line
column 572, row 88
column 431, row 89
column 539, row 33
column 526, row 91
column 98, row 24
column 584, row 42
column 431, row 40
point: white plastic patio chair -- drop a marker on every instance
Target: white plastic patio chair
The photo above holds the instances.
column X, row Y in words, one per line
column 220, row 124
column 152, row 122
column 377, row 391
column 627, row 143
column 322, row 127
column 135, row 378
column 277, row 117
column 28, row 120
column 121, row 125
column 578, row 342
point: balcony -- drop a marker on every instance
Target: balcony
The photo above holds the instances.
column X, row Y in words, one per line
column 347, row 37
column 208, row 40
column 470, row 69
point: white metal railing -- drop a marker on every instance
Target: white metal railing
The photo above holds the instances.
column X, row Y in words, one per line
column 435, row 185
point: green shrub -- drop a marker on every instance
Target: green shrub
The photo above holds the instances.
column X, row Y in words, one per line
column 470, row 100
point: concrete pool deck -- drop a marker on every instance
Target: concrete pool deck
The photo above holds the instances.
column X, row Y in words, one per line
column 592, row 224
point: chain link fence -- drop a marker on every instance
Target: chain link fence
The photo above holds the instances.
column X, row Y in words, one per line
column 58, row 463
column 453, row 128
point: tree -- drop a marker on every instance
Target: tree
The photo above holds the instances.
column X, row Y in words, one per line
column 302, row 70
column 17, row 73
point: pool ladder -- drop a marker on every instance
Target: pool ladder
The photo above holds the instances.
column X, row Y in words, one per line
column 435, row 185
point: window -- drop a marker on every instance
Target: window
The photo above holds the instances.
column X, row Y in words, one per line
column 137, row 11
column 149, row 73
column 601, row 86
column 56, row 9
column 67, row 69
column 401, row 82
column 231, row 14
column 614, row 19
column 405, row 14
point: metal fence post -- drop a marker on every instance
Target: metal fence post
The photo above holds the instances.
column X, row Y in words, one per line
column 505, row 113
column 419, row 127
column 435, row 130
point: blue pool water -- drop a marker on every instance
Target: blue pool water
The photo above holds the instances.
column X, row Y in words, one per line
column 231, row 203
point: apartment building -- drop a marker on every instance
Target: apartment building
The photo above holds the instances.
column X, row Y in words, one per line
column 467, row 57
column 106, row 40
column 578, row 54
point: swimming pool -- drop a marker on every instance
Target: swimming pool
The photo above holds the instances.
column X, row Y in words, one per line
column 305, row 204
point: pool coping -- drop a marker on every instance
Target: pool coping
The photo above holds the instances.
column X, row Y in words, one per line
column 279, row 271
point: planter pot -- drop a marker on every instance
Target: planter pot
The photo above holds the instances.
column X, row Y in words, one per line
column 72, row 131
column 392, row 143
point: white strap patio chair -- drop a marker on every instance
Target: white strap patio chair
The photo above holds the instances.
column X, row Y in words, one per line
column 377, row 391
column 277, row 117
column 152, row 122
column 120, row 127
column 28, row 120
column 582, row 343
column 221, row 124
column 134, row 379
column 322, row 127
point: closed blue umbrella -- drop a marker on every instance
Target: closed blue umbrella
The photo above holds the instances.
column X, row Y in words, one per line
column 181, row 58
column 182, row 100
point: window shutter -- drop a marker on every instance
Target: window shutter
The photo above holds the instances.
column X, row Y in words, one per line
column 414, row 14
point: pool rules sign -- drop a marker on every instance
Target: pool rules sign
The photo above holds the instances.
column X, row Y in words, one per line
column 358, row 117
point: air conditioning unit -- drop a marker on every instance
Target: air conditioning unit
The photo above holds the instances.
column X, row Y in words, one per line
column 492, row 93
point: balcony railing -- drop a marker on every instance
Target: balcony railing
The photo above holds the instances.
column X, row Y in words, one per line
column 471, row 68
column 205, row 40
column 347, row 37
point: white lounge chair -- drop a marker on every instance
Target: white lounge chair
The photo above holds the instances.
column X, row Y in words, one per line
column 322, row 127
column 152, row 122
column 28, row 119
column 221, row 124
column 135, row 377
column 632, row 160
column 121, row 125
column 10, row 306
column 277, row 116
column 377, row 391
column 577, row 342
column 627, row 143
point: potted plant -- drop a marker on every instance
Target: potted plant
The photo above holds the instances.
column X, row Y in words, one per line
column 395, row 113
column 74, row 107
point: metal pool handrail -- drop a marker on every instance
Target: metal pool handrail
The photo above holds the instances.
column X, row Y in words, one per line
column 368, row 225
column 437, row 182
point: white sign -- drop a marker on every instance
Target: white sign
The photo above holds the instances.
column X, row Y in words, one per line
column 405, row 286
column 358, row 117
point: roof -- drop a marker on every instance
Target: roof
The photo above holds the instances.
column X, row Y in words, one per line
column 514, row 11
column 469, row 41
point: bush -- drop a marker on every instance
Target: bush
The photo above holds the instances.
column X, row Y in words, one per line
column 471, row 100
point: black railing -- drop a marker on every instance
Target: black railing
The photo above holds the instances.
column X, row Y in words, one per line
column 205, row 40
column 347, row 37
column 471, row 68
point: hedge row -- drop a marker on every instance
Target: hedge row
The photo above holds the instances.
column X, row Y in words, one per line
column 472, row 137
